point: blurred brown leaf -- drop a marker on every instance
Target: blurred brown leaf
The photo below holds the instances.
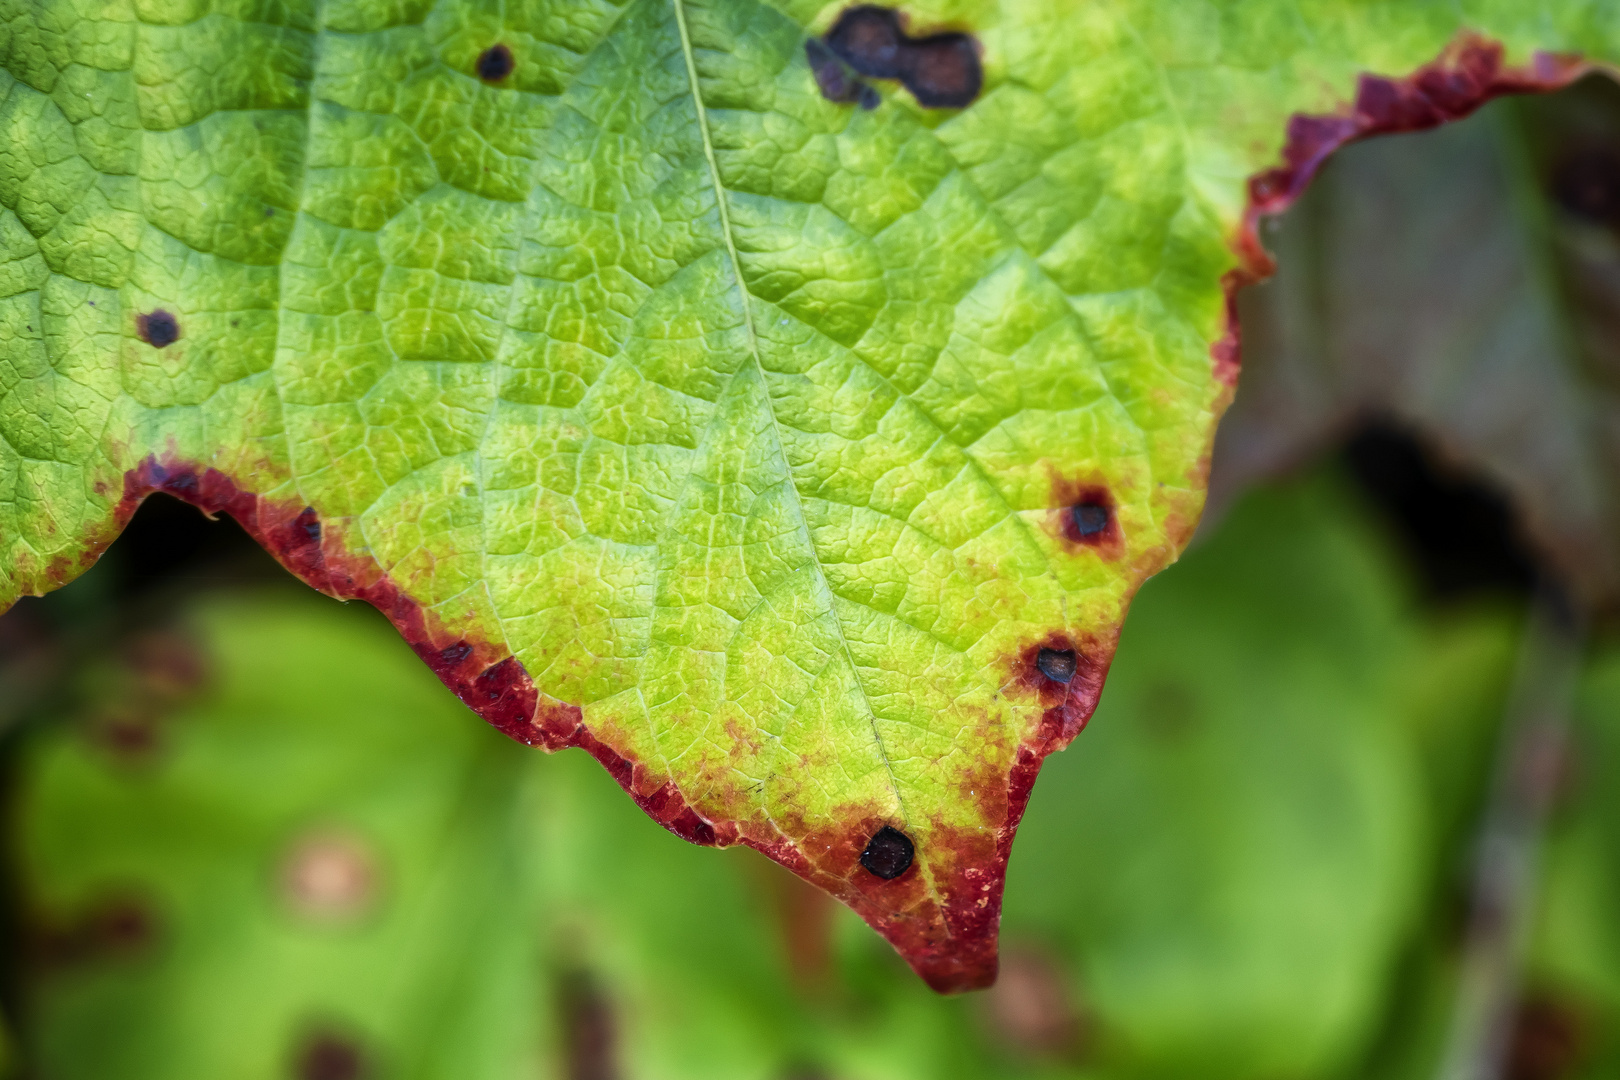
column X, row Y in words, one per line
column 1466, row 282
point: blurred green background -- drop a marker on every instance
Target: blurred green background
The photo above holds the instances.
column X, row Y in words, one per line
column 251, row 838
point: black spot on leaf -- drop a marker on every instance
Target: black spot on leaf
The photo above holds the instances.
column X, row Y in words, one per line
column 456, row 653
column 158, row 328
column 310, row 523
column 940, row 70
column 870, row 40
column 1090, row 518
column 889, row 853
column 943, row 71
column 835, row 80
column 1056, row 664
column 495, row 63
column 328, row 1056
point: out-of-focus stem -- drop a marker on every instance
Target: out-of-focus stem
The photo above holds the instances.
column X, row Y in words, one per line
column 1530, row 760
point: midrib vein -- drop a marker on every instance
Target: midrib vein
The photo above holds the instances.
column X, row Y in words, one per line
column 714, row 178
column 770, row 410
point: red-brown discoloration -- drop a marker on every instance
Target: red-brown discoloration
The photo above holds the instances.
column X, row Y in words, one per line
column 1067, row 706
column 1467, row 75
column 1069, row 492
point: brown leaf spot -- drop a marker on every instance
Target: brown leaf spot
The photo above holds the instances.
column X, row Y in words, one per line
column 158, row 329
column 835, row 80
column 1056, row 664
column 869, row 39
column 329, row 877
column 889, row 853
column 157, row 672
column 327, row 1055
column 495, row 63
column 1549, row 1041
column 589, row 1033
column 1086, row 516
column 115, row 926
column 941, row 70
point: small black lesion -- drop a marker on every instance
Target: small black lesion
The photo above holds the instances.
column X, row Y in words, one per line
column 158, row 328
column 495, row 63
column 310, row 523
column 1090, row 517
column 456, row 653
column 1056, row 664
column 835, row 79
column 942, row 71
column 889, row 853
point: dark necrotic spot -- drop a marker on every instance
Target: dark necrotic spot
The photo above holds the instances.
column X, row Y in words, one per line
column 1090, row 518
column 327, row 1056
column 1587, row 184
column 835, row 80
column 158, row 328
column 456, row 653
column 310, row 523
column 495, row 63
column 1056, row 664
column 869, row 39
column 941, row 70
column 889, row 853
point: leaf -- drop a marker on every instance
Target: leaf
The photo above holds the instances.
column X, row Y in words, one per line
column 1466, row 283
column 669, row 408
column 309, row 851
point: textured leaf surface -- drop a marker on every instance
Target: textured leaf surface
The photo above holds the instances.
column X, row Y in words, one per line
column 305, row 847
column 668, row 406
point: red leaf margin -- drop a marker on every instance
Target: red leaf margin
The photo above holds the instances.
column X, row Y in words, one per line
column 1468, row 74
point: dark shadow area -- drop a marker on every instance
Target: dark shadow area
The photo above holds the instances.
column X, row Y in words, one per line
column 167, row 545
column 1458, row 532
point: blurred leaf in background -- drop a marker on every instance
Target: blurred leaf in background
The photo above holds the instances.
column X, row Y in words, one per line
column 1465, row 281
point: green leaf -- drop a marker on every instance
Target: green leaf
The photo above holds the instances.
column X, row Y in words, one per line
column 669, row 407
